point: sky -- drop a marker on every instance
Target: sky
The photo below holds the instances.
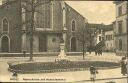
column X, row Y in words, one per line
column 95, row 11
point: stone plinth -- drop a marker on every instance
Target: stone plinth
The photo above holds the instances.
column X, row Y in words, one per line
column 62, row 55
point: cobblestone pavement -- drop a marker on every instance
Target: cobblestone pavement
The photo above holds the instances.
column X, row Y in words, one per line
column 77, row 76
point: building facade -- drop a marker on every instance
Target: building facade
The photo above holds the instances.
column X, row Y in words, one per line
column 102, row 33
column 121, row 27
column 96, row 31
column 51, row 19
column 109, row 38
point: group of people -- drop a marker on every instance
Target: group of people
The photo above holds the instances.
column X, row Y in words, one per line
column 124, row 69
column 124, row 66
column 98, row 51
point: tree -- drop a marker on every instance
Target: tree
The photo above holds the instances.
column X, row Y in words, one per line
column 31, row 8
column 83, row 38
column 90, row 38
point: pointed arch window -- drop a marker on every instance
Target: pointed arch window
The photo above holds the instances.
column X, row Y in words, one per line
column 5, row 25
column 73, row 25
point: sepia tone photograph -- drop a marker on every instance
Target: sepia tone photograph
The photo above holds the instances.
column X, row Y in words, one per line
column 64, row 41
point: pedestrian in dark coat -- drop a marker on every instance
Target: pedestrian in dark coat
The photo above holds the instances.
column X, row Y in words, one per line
column 95, row 50
column 123, row 67
column 101, row 51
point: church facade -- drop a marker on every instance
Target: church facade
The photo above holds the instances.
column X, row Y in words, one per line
column 50, row 20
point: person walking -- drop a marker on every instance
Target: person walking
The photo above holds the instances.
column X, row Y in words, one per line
column 93, row 73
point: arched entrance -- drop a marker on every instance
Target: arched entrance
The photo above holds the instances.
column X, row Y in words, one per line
column 73, row 44
column 4, row 44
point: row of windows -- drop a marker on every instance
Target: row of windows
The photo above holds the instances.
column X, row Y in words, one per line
column 109, row 37
column 120, row 10
column 101, row 38
column 109, row 45
column 5, row 25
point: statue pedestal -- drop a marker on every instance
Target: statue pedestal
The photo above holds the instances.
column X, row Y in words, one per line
column 62, row 55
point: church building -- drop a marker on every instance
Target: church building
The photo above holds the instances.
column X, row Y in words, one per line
column 51, row 20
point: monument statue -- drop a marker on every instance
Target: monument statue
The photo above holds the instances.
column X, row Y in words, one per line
column 62, row 55
column 61, row 39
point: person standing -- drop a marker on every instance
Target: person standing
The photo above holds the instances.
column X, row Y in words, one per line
column 15, row 75
column 95, row 52
column 123, row 66
column 93, row 73
column 95, row 49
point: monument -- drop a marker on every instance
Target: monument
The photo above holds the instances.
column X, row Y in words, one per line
column 62, row 55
